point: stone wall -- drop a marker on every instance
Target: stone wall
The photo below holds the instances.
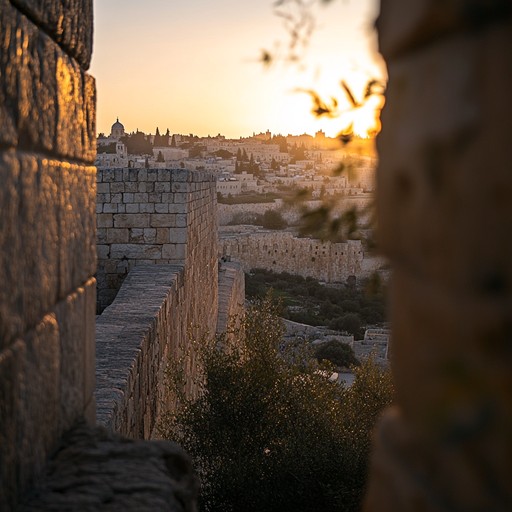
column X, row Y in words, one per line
column 136, row 337
column 231, row 296
column 157, row 235
column 281, row 251
column 145, row 332
column 47, row 233
column 153, row 216
column 445, row 218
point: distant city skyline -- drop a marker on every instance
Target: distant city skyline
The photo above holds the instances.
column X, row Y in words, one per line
column 193, row 67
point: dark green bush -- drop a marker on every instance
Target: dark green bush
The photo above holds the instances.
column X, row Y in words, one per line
column 337, row 352
column 269, row 432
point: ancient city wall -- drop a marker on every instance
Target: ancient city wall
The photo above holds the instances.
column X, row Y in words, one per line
column 228, row 212
column 154, row 216
column 144, row 334
column 136, row 337
column 283, row 252
column 231, row 295
column 47, row 233
column 158, row 244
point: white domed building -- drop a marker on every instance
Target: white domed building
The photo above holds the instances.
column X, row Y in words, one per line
column 111, row 152
column 117, row 130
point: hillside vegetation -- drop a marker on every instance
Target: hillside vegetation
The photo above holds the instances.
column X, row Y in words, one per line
column 349, row 307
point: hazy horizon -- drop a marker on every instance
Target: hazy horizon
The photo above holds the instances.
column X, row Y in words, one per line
column 193, row 67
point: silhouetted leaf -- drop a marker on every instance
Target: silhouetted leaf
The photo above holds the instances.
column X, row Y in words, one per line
column 347, row 134
column 350, row 96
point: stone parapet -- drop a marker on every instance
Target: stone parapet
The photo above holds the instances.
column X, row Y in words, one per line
column 153, row 216
column 135, row 338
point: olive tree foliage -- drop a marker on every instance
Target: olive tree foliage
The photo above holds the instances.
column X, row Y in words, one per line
column 268, row 431
column 323, row 222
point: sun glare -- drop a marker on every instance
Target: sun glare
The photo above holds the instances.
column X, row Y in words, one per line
column 208, row 88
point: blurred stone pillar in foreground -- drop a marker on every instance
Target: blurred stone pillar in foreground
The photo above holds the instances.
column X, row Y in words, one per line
column 445, row 221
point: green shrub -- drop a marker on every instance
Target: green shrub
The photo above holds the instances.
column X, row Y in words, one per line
column 269, row 432
column 337, row 352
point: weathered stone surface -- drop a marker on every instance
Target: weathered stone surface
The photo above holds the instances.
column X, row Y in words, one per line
column 70, row 315
column 77, row 227
column 118, row 236
column 47, row 233
column 413, row 473
column 283, row 252
column 135, row 251
column 95, row 471
column 131, row 221
column 231, row 295
column 459, row 338
column 176, row 252
column 69, row 23
column 131, row 335
column 157, row 229
column 12, row 365
column 47, row 102
column 38, row 406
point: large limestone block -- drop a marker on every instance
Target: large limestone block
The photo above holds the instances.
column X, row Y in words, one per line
column 442, row 199
column 47, row 102
column 47, row 235
column 69, row 23
column 123, row 220
column 77, row 236
column 76, row 319
column 136, row 251
column 41, row 422
column 29, row 408
column 29, row 236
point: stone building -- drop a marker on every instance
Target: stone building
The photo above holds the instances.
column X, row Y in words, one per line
column 117, row 130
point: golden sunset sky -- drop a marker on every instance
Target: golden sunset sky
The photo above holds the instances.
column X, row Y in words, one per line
column 192, row 66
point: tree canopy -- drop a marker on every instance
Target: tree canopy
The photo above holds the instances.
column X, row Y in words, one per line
column 269, row 431
column 138, row 144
